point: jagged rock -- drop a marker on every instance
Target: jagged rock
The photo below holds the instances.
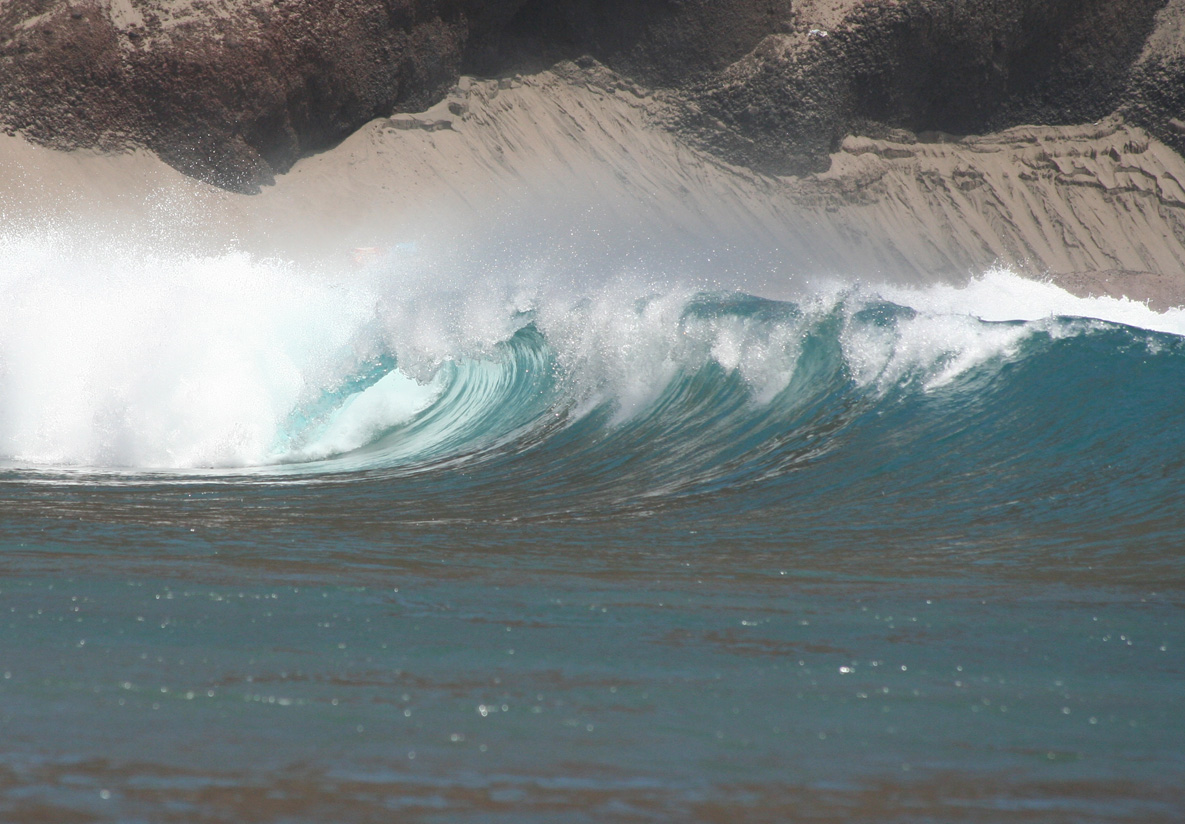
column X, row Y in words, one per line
column 920, row 65
column 1156, row 97
column 231, row 92
column 235, row 91
column 662, row 42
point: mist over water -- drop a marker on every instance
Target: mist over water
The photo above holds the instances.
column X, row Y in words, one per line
column 123, row 355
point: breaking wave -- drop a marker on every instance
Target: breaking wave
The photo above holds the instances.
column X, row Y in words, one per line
column 624, row 394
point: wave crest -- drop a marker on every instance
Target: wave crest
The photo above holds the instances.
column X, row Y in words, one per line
column 146, row 362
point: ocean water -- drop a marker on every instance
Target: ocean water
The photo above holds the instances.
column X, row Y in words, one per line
column 387, row 544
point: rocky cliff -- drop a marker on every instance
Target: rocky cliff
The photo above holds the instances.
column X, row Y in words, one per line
column 234, row 91
column 227, row 91
column 919, row 65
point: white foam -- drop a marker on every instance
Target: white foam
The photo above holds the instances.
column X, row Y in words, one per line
column 958, row 327
column 623, row 343
column 934, row 348
column 1002, row 295
column 113, row 354
column 364, row 416
column 116, row 356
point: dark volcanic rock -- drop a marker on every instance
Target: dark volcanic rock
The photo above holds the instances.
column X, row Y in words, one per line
column 1156, row 96
column 234, row 91
column 229, row 92
column 663, row 42
column 920, row 65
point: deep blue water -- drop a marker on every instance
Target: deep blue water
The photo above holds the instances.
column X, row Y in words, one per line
column 644, row 555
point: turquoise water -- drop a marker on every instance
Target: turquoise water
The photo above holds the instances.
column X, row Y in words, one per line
column 629, row 553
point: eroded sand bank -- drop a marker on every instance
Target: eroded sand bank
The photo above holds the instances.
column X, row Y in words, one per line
column 577, row 153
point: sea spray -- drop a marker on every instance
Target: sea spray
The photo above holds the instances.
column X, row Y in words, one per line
column 125, row 357
column 119, row 356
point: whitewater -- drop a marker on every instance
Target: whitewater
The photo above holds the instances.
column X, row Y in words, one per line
column 145, row 360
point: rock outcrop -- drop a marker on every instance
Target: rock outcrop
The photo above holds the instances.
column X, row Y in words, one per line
column 1155, row 97
column 658, row 42
column 228, row 91
column 920, row 65
column 234, row 91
